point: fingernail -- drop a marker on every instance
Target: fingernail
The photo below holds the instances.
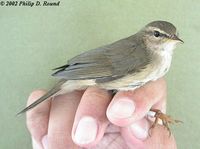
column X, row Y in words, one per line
column 35, row 144
column 86, row 130
column 45, row 142
column 151, row 117
column 122, row 108
column 140, row 129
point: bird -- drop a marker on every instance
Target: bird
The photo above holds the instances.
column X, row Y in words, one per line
column 123, row 65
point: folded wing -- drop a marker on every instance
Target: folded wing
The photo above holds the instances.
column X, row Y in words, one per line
column 106, row 63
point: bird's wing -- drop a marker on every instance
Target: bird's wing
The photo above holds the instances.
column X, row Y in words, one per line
column 105, row 63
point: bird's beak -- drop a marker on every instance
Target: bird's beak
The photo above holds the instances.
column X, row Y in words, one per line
column 175, row 37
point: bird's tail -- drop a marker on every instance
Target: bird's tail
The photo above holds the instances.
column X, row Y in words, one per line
column 50, row 93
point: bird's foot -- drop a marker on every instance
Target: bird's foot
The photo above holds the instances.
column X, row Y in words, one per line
column 166, row 120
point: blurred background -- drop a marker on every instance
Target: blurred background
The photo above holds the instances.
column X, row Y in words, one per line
column 33, row 40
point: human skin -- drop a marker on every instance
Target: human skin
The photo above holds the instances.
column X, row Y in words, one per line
column 95, row 119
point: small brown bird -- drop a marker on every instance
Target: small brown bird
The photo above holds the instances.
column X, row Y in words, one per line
column 123, row 65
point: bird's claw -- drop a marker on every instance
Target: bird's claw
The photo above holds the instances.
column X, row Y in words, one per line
column 166, row 120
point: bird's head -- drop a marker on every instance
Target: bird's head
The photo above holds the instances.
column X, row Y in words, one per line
column 160, row 36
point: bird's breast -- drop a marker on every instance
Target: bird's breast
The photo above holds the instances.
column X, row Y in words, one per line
column 164, row 64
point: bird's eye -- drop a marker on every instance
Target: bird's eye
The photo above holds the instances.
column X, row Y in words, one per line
column 156, row 33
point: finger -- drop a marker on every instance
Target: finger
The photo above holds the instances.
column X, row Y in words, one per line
column 112, row 139
column 159, row 137
column 90, row 120
column 160, row 105
column 61, row 119
column 140, row 129
column 129, row 106
column 37, row 118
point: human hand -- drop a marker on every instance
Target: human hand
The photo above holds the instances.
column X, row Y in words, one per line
column 95, row 119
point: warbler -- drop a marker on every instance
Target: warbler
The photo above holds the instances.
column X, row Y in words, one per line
column 126, row 64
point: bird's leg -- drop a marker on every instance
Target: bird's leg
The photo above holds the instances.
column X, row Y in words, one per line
column 153, row 125
column 166, row 120
column 113, row 92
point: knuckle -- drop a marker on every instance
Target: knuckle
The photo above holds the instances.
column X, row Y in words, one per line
column 58, row 135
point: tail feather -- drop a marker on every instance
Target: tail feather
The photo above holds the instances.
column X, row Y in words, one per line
column 50, row 93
